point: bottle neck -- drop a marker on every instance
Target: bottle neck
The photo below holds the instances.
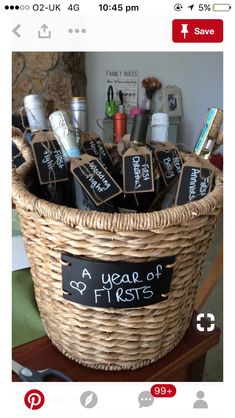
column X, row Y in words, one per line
column 35, row 113
column 65, row 134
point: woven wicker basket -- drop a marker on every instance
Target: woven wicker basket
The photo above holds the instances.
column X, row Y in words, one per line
column 113, row 339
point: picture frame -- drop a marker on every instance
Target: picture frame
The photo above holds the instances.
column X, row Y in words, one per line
column 172, row 101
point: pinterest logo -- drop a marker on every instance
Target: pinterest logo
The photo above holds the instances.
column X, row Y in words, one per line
column 34, row 399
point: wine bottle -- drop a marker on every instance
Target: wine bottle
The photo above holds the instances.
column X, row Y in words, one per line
column 54, row 192
column 134, row 202
column 79, row 115
column 159, row 128
column 166, row 197
column 35, row 113
column 66, row 137
column 204, row 147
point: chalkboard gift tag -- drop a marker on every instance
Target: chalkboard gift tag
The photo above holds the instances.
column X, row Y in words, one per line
column 50, row 164
column 195, row 180
column 115, row 284
column 137, row 170
column 169, row 161
column 92, row 145
column 94, row 179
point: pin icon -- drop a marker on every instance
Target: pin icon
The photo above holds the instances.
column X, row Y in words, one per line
column 184, row 29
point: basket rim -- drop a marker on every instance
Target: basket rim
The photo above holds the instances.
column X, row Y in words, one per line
column 115, row 221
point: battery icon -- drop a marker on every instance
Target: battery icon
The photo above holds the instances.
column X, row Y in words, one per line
column 223, row 7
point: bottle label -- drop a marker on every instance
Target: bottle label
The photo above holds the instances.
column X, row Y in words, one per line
column 195, row 180
column 92, row 145
column 49, row 160
column 116, row 284
column 169, row 161
column 94, row 179
column 137, row 170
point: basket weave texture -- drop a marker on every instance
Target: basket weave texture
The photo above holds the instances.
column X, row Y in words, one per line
column 113, row 339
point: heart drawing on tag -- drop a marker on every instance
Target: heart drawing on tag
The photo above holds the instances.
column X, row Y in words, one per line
column 79, row 286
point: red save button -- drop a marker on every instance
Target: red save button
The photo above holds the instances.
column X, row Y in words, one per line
column 197, row 30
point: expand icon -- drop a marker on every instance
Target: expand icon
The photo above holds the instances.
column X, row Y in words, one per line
column 205, row 323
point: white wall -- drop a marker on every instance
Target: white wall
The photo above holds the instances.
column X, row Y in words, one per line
column 198, row 74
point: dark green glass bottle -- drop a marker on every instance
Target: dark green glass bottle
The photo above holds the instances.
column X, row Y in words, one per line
column 134, row 202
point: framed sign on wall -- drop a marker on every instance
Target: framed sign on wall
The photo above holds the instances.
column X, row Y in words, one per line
column 125, row 81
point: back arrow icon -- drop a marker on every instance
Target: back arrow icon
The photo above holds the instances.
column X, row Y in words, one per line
column 15, row 31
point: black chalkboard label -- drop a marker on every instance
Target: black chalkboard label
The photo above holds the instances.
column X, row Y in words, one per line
column 50, row 164
column 195, row 182
column 137, row 171
column 93, row 145
column 170, row 163
column 93, row 177
column 116, row 284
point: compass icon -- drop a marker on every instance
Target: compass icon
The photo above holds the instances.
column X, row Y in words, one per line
column 88, row 399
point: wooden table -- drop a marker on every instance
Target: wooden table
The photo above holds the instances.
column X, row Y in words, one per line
column 185, row 363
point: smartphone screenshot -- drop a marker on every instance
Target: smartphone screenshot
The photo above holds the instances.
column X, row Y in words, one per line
column 116, row 297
